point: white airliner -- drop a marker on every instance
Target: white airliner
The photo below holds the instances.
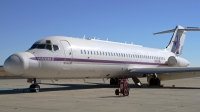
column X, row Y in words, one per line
column 61, row 57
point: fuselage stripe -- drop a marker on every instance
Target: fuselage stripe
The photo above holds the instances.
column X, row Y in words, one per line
column 93, row 61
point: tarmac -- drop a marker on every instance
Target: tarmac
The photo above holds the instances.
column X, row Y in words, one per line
column 96, row 96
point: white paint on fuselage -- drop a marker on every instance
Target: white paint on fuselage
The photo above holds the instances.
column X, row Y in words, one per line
column 94, row 69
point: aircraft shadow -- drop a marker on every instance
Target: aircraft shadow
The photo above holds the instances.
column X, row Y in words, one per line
column 88, row 85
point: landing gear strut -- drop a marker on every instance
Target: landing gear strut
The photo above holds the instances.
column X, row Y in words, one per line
column 123, row 87
column 34, row 87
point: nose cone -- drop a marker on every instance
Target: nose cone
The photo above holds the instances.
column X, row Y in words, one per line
column 16, row 64
column 13, row 65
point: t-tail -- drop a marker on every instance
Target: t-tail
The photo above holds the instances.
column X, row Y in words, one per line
column 177, row 41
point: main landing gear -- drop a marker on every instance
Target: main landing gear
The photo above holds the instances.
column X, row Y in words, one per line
column 34, row 87
column 123, row 87
column 154, row 80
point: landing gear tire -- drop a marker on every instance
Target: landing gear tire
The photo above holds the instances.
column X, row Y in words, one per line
column 126, row 92
column 117, row 92
column 157, row 82
column 114, row 81
column 154, row 82
column 34, row 88
column 151, row 82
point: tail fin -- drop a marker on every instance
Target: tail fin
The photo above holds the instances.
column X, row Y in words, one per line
column 178, row 38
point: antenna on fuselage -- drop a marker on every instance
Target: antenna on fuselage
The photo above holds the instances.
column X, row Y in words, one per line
column 107, row 39
column 83, row 36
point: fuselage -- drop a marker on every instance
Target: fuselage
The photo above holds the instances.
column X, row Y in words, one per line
column 67, row 57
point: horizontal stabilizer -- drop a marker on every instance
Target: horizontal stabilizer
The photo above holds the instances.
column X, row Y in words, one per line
column 184, row 29
column 168, row 31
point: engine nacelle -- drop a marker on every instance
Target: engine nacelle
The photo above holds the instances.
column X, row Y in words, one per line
column 177, row 62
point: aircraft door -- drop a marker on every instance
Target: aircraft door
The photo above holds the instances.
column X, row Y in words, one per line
column 68, row 51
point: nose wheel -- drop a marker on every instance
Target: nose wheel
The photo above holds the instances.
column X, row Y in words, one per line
column 34, row 87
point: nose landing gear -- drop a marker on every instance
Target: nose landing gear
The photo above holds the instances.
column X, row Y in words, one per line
column 34, row 87
column 123, row 87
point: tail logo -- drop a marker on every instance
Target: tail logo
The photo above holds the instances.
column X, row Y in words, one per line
column 176, row 45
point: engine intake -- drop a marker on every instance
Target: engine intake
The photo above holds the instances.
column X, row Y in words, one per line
column 177, row 62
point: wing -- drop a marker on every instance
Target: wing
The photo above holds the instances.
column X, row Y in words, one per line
column 165, row 70
column 3, row 72
column 168, row 73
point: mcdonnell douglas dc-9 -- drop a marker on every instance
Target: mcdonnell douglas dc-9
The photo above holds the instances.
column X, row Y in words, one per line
column 60, row 57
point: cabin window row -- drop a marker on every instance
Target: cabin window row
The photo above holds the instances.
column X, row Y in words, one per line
column 120, row 54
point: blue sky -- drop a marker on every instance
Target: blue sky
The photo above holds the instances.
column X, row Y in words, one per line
column 22, row 22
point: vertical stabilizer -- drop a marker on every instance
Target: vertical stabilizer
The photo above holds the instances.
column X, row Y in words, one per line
column 177, row 41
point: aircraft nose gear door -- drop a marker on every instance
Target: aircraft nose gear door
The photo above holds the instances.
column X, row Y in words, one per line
column 68, row 51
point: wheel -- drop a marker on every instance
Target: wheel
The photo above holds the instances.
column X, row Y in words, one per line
column 126, row 92
column 114, row 81
column 128, row 87
column 157, row 82
column 34, row 88
column 117, row 92
column 152, row 82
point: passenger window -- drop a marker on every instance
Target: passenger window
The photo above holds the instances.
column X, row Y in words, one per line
column 84, row 52
column 91, row 52
column 97, row 53
column 81, row 52
column 49, row 47
column 94, row 52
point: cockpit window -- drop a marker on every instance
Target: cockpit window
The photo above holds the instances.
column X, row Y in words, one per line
column 49, row 47
column 55, row 47
column 45, row 46
column 33, row 46
column 41, row 46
